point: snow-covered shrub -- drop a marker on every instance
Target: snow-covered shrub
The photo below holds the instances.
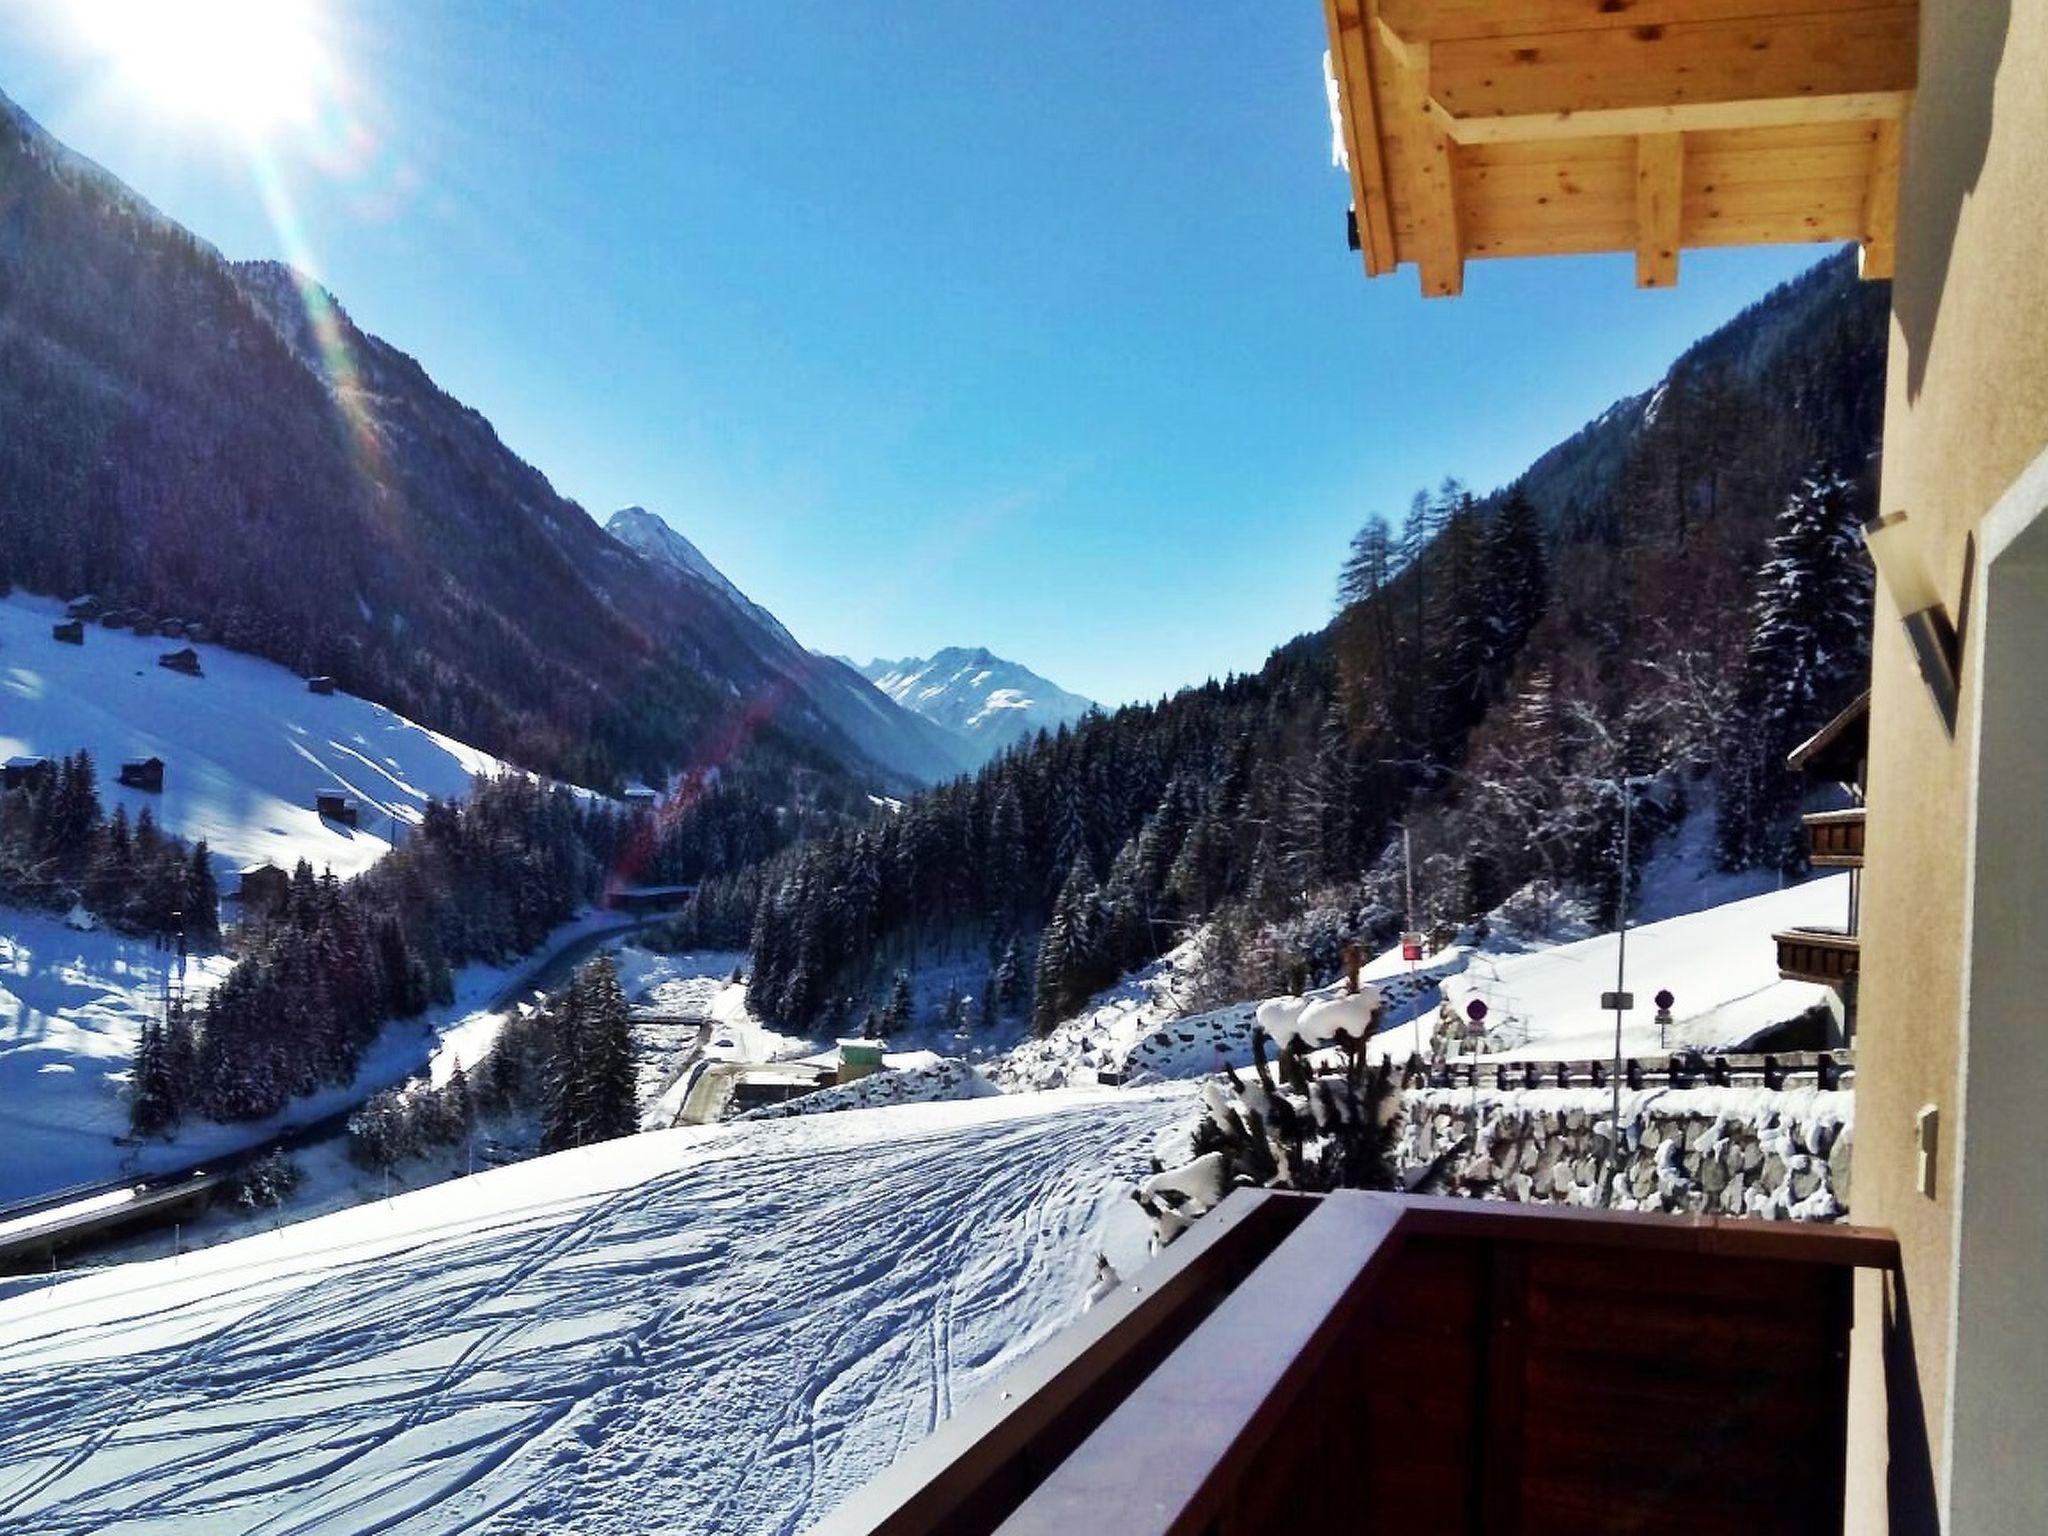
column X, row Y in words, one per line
column 266, row 1183
column 1543, row 913
column 1303, row 1122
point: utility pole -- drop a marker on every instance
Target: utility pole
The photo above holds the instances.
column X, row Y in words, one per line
column 1621, row 997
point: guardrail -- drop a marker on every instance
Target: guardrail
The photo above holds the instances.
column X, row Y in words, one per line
column 1680, row 1069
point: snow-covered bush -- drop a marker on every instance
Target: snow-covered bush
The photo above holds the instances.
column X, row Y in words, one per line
column 1542, row 913
column 266, row 1183
column 1311, row 1122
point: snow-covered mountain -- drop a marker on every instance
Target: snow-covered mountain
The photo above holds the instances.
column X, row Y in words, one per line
column 825, row 686
column 991, row 702
column 640, row 529
column 303, row 490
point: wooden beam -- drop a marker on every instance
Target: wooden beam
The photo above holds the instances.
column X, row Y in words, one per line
column 1439, row 20
column 1881, row 201
column 1685, row 117
column 1680, row 64
column 1352, row 61
column 1432, row 187
column 1660, row 194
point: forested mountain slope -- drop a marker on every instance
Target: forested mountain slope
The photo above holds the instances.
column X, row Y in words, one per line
column 218, row 442
column 1669, row 599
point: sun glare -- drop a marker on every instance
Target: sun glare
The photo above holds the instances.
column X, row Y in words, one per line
column 253, row 65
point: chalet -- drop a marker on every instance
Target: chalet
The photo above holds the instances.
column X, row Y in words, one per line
column 261, row 886
column 337, row 807
column 1373, row 1360
column 323, row 685
column 639, row 797
column 18, row 771
column 184, row 659
column 146, row 773
column 143, row 624
column 69, row 631
column 113, row 618
column 85, row 606
column 1836, row 754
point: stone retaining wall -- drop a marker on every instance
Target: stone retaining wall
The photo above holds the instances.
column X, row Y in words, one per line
column 1780, row 1153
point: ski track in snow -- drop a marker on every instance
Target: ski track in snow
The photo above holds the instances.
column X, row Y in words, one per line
column 734, row 1342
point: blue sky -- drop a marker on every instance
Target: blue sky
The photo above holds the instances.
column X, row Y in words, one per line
column 999, row 323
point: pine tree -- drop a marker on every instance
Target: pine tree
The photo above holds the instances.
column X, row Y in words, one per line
column 897, row 1013
column 152, row 1103
column 610, row 1089
column 1516, row 580
column 1808, row 650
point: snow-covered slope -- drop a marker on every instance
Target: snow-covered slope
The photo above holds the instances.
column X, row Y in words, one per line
column 245, row 747
column 1542, row 1002
column 992, row 702
column 71, row 1007
column 1719, row 964
column 689, row 1331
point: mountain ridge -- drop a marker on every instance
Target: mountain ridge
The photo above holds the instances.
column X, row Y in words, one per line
column 989, row 701
column 218, row 441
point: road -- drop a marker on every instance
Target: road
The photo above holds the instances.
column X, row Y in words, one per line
column 83, row 1211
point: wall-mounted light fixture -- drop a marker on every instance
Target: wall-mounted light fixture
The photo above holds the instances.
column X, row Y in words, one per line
column 1936, row 645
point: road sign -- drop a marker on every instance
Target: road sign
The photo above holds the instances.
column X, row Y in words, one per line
column 1617, row 1002
column 1411, row 946
column 1665, row 1000
column 1476, row 1010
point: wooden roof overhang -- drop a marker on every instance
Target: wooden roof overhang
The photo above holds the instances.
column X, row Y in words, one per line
column 1549, row 127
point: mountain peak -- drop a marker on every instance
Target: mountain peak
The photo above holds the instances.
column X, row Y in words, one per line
column 991, row 702
column 654, row 537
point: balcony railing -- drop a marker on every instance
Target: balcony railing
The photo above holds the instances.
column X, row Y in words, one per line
column 1364, row 1362
column 1826, row 955
column 1834, row 839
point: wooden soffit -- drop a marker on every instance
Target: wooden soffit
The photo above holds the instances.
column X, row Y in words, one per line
column 1550, row 127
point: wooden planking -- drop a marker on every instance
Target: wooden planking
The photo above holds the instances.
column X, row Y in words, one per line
column 1433, row 240
column 1528, row 200
column 1737, row 186
column 1351, row 61
column 1859, row 53
column 1533, row 108
column 1660, row 192
column 1684, row 117
column 1880, row 231
column 1436, row 20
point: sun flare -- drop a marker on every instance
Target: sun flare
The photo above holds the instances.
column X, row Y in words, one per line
column 252, row 65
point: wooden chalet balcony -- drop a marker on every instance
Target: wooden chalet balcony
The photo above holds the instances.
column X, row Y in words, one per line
column 1825, row 955
column 1478, row 128
column 1834, row 839
column 1362, row 1362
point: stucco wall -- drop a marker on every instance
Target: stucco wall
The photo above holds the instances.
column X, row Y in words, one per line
column 1966, row 412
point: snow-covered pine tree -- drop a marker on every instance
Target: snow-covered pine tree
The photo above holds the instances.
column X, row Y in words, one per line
column 898, row 1011
column 1809, row 649
column 152, row 1101
column 606, row 1036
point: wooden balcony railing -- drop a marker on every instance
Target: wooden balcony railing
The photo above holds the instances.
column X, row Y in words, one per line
column 1825, row 955
column 1834, row 839
column 1382, row 1363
